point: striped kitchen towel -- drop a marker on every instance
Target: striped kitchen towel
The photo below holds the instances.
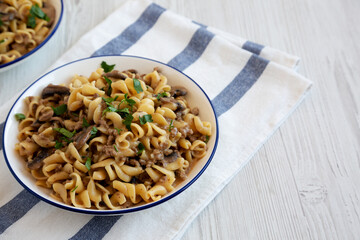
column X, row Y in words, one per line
column 253, row 89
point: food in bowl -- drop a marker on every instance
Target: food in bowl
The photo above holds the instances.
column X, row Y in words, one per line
column 24, row 24
column 113, row 140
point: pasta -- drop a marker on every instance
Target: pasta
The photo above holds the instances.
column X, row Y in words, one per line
column 111, row 140
column 24, row 24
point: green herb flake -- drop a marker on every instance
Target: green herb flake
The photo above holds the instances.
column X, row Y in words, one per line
column 85, row 123
column 171, row 126
column 109, row 82
column 19, row 116
column 106, row 67
column 160, row 95
column 207, row 138
column 137, row 85
column 127, row 121
column 74, row 188
column 1, row 41
column 65, row 132
column 31, row 21
column 116, row 148
column 93, row 132
column 37, row 12
column 88, row 163
column 1, row 22
column 58, row 144
column 146, row 118
column 123, row 110
column 141, row 148
column 59, row 110
column 118, row 130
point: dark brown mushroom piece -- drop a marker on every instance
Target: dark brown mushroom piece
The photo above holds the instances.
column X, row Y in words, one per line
column 170, row 158
column 52, row 89
column 7, row 17
column 178, row 91
column 82, row 137
column 49, row 10
column 46, row 114
column 179, row 106
column 115, row 74
column 37, row 162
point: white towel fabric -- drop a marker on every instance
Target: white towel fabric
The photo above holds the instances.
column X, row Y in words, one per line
column 253, row 89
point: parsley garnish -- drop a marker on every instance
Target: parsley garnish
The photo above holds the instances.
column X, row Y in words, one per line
column 88, row 163
column 85, row 123
column 58, row 145
column 59, row 110
column 109, row 82
column 93, row 132
column 19, row 116
column 129, row 101
column 127, row 121
column 137, row 85
column 118, row 130
column 31, row 21
column 74, row 188
column 1, row 41
column 141, row 148
column 1, row 23
column 171, row 126
column 145, row 119
column 160, row 95
column 207, row 138
column 106, row 67
column 116, row 148
column 36, row 11
column 65, row 132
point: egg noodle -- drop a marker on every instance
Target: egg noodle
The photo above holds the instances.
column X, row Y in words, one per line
column 24, row 24
column 112, row 140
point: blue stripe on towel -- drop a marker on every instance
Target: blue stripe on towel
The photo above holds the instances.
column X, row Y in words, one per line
column 193, row 50
column 232, row 93
column 96, row 228
column 1, row 134
column 16, row 208
column 253, row 47
column 132, row 33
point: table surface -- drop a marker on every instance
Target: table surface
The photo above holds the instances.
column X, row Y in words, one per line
column 304, row 182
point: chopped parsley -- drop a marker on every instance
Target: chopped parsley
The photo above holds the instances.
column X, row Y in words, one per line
column 35, row 11
column 107, row 68
column 129, row 101
column 146, row 118
column 160, row 95
column 19, row 116
column 74, row 188
column 58, row 144
column 207, row 138
column 88, row 163
column 109, row 82
column 93, row 132
column 141, row 148
column 116, row 148
column 1, row 41
column 118, row 130
column 59, row 110
column 85, row 123
column 1, row 22
column 171, row 126
column 65, row 132
column 127, row 121
column 137, row 85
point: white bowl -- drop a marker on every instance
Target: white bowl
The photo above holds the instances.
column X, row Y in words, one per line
column 196, row 97
column 59, row 8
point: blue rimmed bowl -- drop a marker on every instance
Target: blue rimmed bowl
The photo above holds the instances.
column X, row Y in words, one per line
column 59, row 10
column 62, row 75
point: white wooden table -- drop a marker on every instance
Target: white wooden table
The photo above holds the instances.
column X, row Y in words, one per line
column 305, row 182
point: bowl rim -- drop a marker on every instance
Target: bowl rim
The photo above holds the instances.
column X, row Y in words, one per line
column 3, row 66
column 96, row 212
